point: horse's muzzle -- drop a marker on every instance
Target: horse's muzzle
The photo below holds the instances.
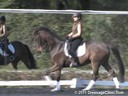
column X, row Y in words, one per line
column 39, row 49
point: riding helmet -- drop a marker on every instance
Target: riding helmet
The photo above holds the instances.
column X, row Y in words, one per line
column 77, row 15
column 2, row 18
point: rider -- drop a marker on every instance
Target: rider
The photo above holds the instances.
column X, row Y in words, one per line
column 75, row 38
column 3, row 38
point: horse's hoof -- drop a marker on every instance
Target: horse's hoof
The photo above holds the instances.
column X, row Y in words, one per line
column 85, row 89
column 55, row 90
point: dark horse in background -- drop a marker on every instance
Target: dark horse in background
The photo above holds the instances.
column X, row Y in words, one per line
column 96, row 53
column 22, row 53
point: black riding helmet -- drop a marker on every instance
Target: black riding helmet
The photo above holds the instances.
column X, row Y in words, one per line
column 77, row 15
column 2, row 18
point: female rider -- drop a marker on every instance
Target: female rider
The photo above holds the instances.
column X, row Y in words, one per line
column 75, row 38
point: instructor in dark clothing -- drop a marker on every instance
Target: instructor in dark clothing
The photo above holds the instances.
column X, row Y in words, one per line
column 75, row 38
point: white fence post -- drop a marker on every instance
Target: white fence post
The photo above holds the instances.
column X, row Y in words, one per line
column 77, row 83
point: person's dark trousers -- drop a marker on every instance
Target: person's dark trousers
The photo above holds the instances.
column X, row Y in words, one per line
column 2, row 45
column 5, row 41
column 74, row 43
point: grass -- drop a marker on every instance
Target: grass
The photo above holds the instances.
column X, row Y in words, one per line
column 67, row 73
column 8, row 73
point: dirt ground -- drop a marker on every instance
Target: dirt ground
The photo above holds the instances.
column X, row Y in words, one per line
column 39, row 75
column 45, row 91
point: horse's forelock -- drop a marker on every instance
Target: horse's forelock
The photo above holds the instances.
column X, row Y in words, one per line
column 41, row 29
column 46, row 32
column 36, row 32
column 44, row 29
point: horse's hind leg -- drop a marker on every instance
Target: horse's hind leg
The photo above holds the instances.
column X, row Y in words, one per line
column 95, row 67
column 25, row 60
column 111, row 73
column 15, row 62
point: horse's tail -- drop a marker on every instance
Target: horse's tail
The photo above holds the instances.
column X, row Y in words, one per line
column 116, row 53
column 31, row 58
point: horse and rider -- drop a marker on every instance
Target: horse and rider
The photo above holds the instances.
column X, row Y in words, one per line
column 97, row 53
column 13, row 52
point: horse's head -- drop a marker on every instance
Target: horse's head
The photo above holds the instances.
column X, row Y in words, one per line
column 45, row 38
column 39, row 41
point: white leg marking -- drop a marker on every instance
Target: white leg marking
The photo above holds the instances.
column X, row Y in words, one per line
column 91, row 83
column 47, row 78
column 116, row 82
column 57, row 88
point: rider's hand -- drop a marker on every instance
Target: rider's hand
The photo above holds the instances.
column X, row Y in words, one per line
column 67, row 37
column 70, row 38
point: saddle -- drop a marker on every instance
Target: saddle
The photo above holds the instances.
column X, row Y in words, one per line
column 80, row 51
column 10, row 47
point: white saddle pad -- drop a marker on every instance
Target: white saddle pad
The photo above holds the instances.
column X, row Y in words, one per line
column 80, row 51
column 10, row 47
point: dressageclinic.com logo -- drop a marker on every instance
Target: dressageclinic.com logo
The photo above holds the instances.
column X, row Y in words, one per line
column 101, row 93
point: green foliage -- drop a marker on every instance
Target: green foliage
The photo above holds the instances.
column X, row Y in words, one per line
column 44, row 4
column 66, row 4
column 108, row 5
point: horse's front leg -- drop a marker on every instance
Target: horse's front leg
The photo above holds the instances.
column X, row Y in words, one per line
column 57, row 76
column 95, row 67
column 56, row 70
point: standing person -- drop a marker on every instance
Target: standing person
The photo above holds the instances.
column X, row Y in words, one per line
column 75, row 38
column 3, row 38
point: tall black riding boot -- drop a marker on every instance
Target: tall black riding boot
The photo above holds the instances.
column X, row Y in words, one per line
column 75, row 62
column 10, row 54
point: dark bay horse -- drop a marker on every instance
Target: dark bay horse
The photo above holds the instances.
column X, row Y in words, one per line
column 22, row 53
column 96, row 53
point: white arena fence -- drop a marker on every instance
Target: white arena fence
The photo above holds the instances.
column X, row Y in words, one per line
column 61, row 11
column 75, row 82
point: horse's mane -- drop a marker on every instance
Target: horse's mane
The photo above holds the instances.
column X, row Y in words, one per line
column 47, row 30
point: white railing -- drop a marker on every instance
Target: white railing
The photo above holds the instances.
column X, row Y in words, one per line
column 74, row 83
column 60, row 11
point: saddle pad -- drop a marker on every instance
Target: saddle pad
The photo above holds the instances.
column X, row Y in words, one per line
column 80, row 51
column 10, row 47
